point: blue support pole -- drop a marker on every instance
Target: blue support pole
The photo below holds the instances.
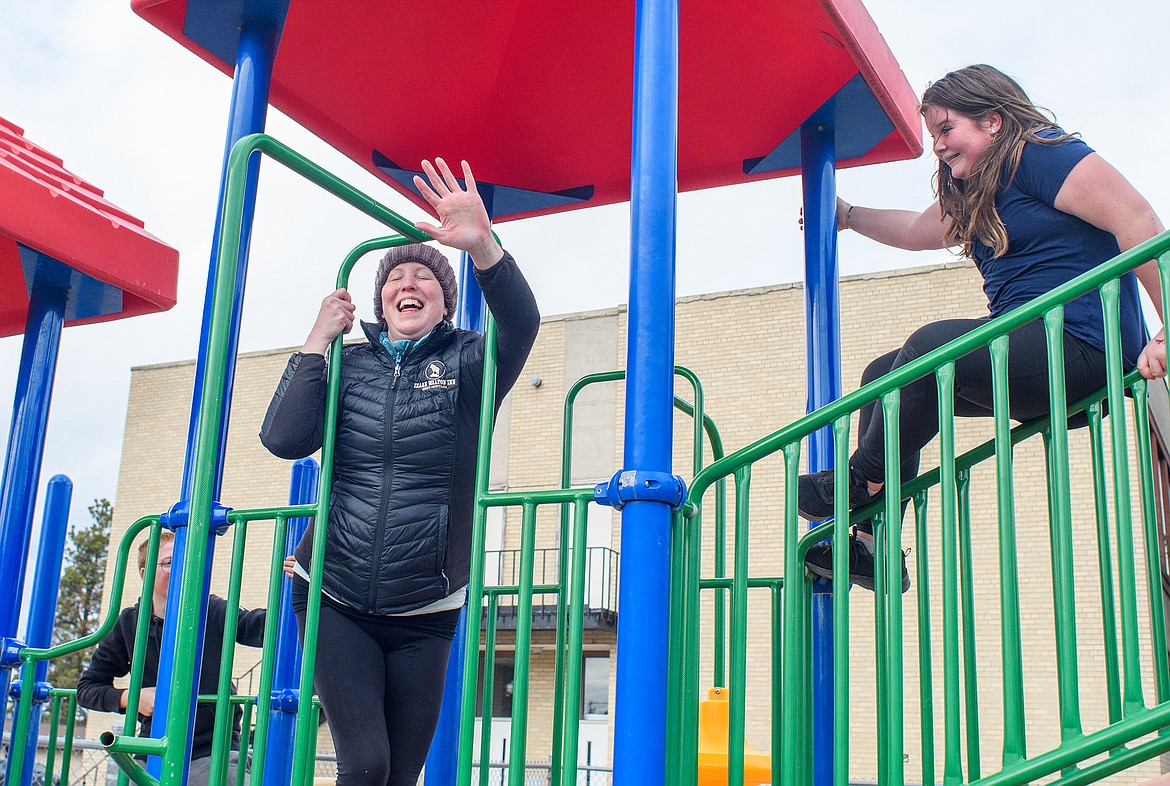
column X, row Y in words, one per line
column 26, row 447
column 286, row 674
column 255, row 56
column 442, row 766
column 640, row 701
column 823, row 339
column 43, row 608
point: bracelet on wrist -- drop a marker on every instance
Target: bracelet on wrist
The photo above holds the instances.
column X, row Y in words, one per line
column 848, row 215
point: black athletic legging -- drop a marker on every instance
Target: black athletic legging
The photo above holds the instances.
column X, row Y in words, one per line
column 1084, row 372
column 380, row 680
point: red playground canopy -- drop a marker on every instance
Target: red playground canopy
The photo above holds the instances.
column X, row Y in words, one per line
column 538, row 96
column 57, row 230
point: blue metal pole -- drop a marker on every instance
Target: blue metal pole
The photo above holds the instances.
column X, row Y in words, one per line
column 26, row 447
column 255, row 56
column 442, row 767
column 43, row 607
column 286, row 674
column 823, row 337
column 640, row 701
column 472, row 312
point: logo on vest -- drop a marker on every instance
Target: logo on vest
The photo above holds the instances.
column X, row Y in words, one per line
column 435, row 377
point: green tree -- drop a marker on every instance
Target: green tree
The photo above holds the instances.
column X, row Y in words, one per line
column 79, row 602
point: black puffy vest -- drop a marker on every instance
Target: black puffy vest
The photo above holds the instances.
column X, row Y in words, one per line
column 387, row 547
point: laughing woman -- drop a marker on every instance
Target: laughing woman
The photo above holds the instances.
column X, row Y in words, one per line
column 397, row 551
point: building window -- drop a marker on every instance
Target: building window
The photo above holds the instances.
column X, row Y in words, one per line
column 501, row 688
column 595, row 687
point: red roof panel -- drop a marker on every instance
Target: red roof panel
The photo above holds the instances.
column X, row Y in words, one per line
column 56, row 215
column 538, row 96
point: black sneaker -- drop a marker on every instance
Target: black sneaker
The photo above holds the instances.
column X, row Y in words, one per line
column 814, row 493
column 819, row 562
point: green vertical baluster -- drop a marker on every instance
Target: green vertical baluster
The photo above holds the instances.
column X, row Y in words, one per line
column 794, row 726
column 891, row 403
column 1060, row 524
column 952, row 764
column 1014, row 744
column 573, row 650
column 841, row 604
column 70, row 724
column 970, row 653
column 54, row 722
column 521, row 669
column 311, row 748
column 224, row 709
column 21, row 718
column 489, row 688
column 687, row 742
column 691, row 532
column 677, row 653
column 1105, row 564
column 563, row 578
column 777, row 597
column 141, row 629
column 739, row 597
column 881, row 646
column 475, row 584
column 925, row 663
column 1150, row 527
column 719, row 623
column 245, row 743
column 1127, row 581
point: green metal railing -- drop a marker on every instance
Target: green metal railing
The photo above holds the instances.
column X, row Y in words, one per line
column 568, row 590
column 1130, row 717
column 965, row 732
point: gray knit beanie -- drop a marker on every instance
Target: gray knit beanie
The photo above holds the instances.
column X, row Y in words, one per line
column 424, row 255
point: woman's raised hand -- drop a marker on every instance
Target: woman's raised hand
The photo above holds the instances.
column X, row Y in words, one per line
column 464, row 222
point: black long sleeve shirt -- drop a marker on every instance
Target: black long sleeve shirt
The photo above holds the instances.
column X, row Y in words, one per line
column 111, row 659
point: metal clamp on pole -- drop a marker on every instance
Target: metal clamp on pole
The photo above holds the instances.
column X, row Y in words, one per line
column 628, row 485
column 287, row 700
column 176, row 517
column 40, row 693
column 10, row 648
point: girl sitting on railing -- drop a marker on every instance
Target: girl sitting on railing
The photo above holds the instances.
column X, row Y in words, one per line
column 1033, row 207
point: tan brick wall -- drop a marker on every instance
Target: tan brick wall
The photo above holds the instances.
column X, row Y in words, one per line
column 747, row 347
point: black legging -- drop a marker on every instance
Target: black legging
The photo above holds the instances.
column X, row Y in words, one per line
column 1084, row 372
column 380, row 681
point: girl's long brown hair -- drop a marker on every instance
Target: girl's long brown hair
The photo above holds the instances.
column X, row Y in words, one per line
column 976, row 91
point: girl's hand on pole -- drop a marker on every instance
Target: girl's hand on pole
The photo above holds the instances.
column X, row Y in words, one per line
column 843, row 209
column 1152, row 362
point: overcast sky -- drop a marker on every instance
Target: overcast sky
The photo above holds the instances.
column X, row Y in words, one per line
column 133, row 112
